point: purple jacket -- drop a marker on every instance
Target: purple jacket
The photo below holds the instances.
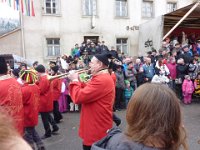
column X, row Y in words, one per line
column 172, row 70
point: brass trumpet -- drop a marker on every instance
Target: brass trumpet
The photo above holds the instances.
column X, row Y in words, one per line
column 64, row 75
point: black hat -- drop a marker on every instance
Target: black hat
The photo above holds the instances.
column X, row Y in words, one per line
column 55, row 69
column 154, row 50
column 104, row 58
column 40, row 69
column 52, row 63
column 16, row 72
column 149, row 52
column 23, row 65
column 3, row 66
column 35, row 63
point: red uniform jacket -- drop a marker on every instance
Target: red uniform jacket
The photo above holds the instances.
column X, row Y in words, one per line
column 97, row 98
column 56, row 89
column 31, row 97
column 11, row 101
column 114, row 78
column 46, row 102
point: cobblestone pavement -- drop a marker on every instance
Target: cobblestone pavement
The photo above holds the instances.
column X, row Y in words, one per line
column 67, row 137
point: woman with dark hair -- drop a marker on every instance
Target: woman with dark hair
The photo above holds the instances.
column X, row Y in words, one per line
column 153, row 122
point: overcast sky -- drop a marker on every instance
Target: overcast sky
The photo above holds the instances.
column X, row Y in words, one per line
column 8, row 12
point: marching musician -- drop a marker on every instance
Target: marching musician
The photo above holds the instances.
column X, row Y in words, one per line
column 31, row 98
column 46, row 102
column 11, row 97
column 97, row 98
column 56, row 92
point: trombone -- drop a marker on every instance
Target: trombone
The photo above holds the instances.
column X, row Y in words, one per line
column 64, row 75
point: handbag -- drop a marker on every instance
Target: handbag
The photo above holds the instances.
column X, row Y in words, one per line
column 178, row 81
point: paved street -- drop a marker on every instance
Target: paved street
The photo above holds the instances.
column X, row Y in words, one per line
column 68, row 139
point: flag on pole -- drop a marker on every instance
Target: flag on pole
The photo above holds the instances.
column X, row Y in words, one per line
column 22, row 6
column 17, row 4
column 28, row 7
column 14, row 4
column 25, row 6
column 32, row 9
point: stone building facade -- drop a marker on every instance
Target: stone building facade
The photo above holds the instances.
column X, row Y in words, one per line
column 60, row 24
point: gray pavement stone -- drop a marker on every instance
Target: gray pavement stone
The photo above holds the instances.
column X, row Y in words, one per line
column 67, row 137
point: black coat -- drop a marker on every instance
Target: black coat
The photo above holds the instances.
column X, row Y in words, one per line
column 140, row 78
column 181, row 70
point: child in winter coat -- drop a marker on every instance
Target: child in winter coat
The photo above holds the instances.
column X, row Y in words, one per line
column 128, row 92
column 188, row 89
column 197, row 85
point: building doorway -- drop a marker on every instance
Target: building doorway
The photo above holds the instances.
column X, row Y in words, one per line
column 94, row 39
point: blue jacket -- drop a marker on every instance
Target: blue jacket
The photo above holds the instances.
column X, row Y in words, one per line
column 149, row 71
column 128, row 92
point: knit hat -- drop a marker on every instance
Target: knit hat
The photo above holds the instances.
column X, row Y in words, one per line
column 187, row 76
column 185, row 46
column 104, row 58
column 127, row 82
column 164, row 61
column 3, row 66
column 29, row 76
column 40, row 69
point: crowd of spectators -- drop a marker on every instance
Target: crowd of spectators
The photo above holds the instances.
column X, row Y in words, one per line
column 175, row 64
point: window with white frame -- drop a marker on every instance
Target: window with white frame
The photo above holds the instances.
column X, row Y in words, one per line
column 89, row 7
column 171, row 7
column 53, row 46
column 122, row 45
column 121, row 8
column 147, row 9
column 52, row 6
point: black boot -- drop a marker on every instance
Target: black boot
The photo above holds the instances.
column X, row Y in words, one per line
column 55, row 128
column 45, row 136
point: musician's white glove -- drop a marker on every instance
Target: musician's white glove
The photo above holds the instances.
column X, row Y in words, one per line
column 73, row 76
column 72, row 71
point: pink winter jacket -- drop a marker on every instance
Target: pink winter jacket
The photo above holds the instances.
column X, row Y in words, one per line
column 188, row 86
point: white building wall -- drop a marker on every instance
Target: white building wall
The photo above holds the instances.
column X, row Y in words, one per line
column 11, row 43
column 70, row 26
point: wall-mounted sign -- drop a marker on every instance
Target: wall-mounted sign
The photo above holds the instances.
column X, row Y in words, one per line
column 132, row 28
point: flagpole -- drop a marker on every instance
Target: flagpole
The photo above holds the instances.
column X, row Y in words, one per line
column 22, row 34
